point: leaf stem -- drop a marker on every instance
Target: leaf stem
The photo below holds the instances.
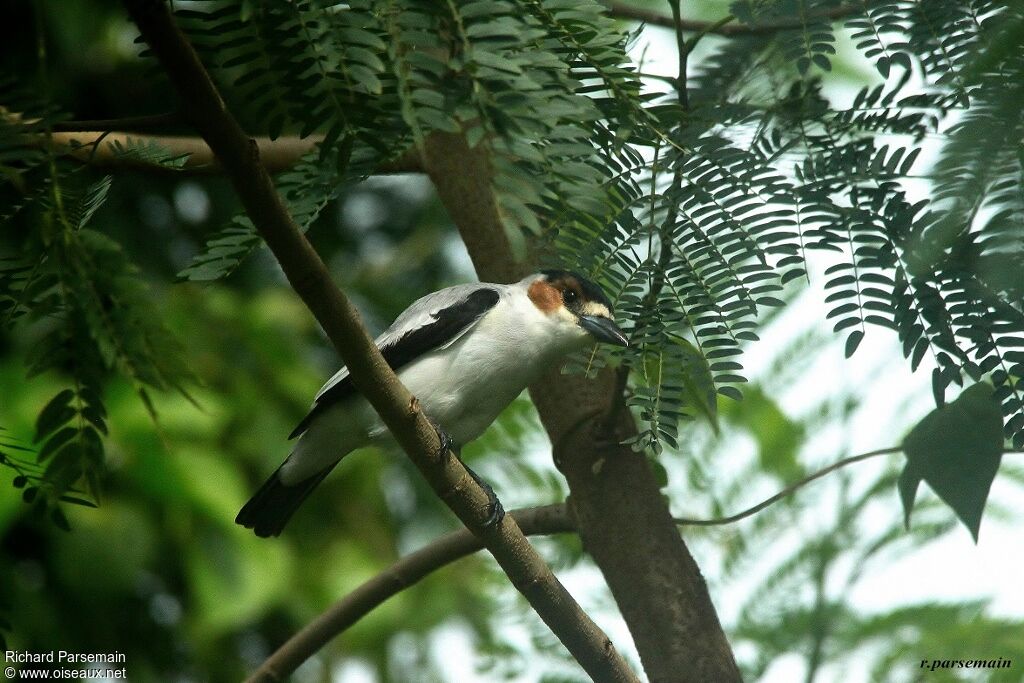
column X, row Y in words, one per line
column 623, row 10
column 788, row 491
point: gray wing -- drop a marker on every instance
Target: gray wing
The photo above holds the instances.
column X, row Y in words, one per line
column 435, row 321
column 419, row 314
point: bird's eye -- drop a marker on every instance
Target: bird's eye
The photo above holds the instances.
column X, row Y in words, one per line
column 568, row 296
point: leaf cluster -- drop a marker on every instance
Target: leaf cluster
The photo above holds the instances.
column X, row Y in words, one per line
column 695, row 208
column 761, row 169
column 80, row 297
column 801, row 576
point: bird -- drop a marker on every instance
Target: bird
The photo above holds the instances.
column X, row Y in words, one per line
column 466, row 352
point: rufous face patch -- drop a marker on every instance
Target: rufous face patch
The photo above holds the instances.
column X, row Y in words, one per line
column 545, row 296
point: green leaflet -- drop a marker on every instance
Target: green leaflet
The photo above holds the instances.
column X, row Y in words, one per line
column 98, row 321
column 956, row 449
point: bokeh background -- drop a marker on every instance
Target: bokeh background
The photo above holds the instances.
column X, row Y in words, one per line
column 826, row 586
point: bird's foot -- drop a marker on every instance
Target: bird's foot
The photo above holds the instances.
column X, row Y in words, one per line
column 447, row 444
column 495, row 510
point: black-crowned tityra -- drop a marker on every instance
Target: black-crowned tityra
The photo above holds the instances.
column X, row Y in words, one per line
column 465, row 352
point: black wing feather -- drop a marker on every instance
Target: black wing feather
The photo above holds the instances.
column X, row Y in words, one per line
column 447, row 323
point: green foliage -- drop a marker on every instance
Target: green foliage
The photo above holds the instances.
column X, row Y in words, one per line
column 697, row 234
column 682, row 368
column 91, row 316
column 809, row 44
column 23, row 113
column 766, row 170
column 307, row 188
column 956, row 449
column 800, row 595
column 701, row 215
column 146, row 152
column 381, row 79
column 778, row 437
column 694, row 212
column 194, row 590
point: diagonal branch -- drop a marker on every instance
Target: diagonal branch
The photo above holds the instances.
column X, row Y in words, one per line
column 203, row 107
column 549, row 519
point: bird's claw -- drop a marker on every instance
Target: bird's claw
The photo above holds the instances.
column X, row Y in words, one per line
column 495, row 510
column 447, row 444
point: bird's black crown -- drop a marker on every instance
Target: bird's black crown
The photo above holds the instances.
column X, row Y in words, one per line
column 589, row 290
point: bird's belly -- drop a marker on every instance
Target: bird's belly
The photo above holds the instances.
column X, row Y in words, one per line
column 462, row 388
column 462, row 394
column 339, row 430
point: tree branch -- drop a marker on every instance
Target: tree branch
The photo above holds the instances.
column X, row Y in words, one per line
column 409, row 570
column 104, row 149
column 622, row 10
column 549, row 519
column 203, row 107
column 146, row 122
column 101, row 143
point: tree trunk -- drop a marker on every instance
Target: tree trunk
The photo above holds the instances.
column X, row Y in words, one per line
column 624, row 522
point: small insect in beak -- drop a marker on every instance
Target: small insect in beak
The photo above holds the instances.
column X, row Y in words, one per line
column 603, row 329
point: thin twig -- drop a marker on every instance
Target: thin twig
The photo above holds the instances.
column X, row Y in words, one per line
column 624, row 11
column 537, row 521
column 683, row 54
column 203, row 107
column 788, row 491
column 711, row 28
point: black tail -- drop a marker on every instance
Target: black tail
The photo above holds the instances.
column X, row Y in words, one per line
column 273, row 505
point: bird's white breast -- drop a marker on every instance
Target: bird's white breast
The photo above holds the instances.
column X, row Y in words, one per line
column 464, row 387
column 461, row 387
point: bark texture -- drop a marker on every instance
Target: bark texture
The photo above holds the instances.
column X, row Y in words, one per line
column 623, row 520
column 627, row 528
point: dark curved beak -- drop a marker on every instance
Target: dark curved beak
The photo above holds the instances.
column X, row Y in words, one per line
column 603, row 329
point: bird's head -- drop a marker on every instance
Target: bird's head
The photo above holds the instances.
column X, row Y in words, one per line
column 572, row 300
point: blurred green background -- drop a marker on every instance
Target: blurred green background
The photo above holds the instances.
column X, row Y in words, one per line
column 161, row 573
